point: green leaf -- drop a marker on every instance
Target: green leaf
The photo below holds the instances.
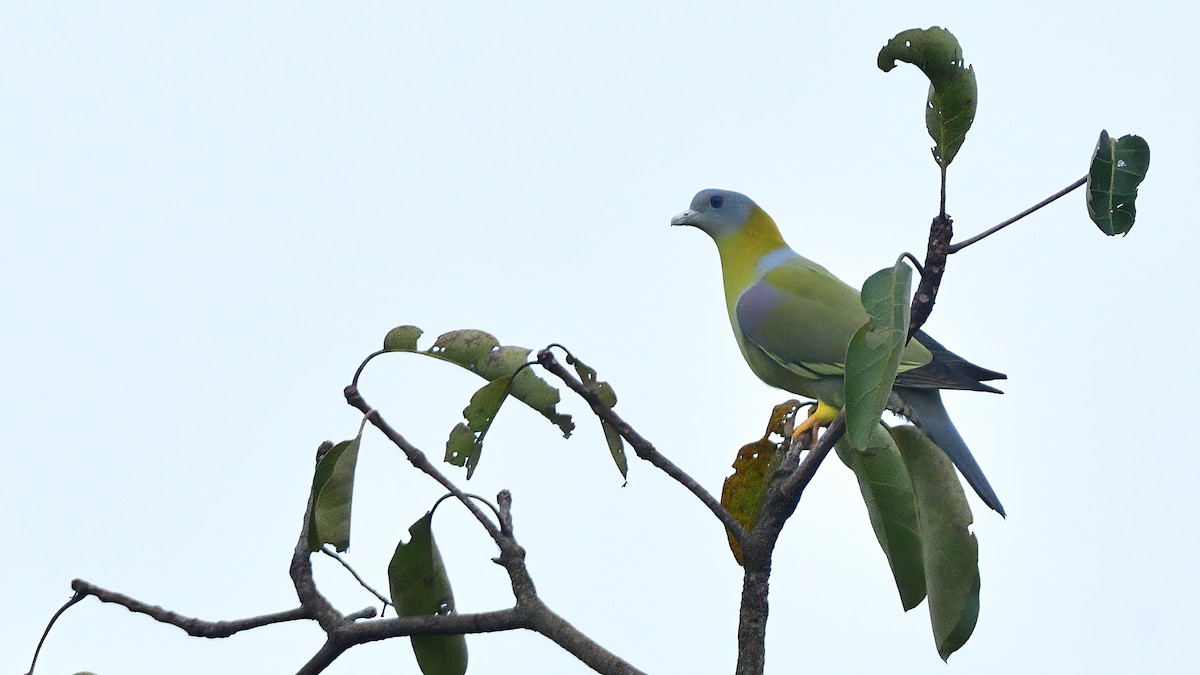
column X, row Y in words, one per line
column 607, row 396
column 464, row 347
column 1118, row 167
column 873, row 355
column 402, row 339
column 953, row 92
column 479, row 413
column 332, row 496
column 951, row 551
column 420, row 587
column 482, row 354
column 891, row 504
column 460, row 447
column 742, row 493
column 616, row 447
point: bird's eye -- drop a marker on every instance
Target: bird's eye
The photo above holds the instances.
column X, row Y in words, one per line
column 716, row 201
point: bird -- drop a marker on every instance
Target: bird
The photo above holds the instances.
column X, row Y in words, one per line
column 793, row 320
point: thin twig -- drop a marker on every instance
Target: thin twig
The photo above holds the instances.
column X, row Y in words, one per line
column 1054, row 197
column 422, row 463
column 642, row 447
column 361, row 582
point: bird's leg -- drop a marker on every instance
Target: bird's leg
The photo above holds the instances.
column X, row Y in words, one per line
column 819, row 415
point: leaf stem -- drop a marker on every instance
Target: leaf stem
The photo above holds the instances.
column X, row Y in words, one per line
column 955, row 248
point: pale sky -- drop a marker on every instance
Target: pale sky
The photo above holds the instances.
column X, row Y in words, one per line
column 212, row 212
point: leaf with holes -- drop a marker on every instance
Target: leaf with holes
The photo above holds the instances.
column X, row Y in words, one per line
column 1118, row 167
column 874, row 353
column 950, row 550
column 420, row 587
column 953, row 92
column 742, row 492
column 891, row 504
column 332, row 496
column 481, row 353
column 479, row 413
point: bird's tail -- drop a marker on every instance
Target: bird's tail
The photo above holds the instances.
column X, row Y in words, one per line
column 931, row 417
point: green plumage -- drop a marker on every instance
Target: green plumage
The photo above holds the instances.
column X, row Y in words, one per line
column 793, row 320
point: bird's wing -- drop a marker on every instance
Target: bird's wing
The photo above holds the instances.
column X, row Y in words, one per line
column 803, row 317
column 947, row 370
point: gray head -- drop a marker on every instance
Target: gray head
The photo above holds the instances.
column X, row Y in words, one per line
column 717, row 212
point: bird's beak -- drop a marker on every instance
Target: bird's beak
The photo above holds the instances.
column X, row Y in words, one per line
column 686, row 218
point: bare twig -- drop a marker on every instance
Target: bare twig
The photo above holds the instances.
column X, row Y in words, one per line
column 361, row 582
column 190, row 625
column 642, row 447
column 422, row 463
column 996, row 228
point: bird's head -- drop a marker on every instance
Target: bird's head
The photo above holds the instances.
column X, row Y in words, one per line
column 720, row 213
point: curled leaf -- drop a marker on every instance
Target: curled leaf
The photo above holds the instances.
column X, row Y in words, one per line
column 332, row 496
column 953, row 92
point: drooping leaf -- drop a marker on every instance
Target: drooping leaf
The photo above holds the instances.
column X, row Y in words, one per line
column 420, row 587
column 607, row 396
column 891, row 503
column 873, row 355
column 332, row 496
column 402, row 339
column 742, row 492
column 616, row 447
column 953, row 92
column 479, row 413
column 1118, row 167
column 951, row 552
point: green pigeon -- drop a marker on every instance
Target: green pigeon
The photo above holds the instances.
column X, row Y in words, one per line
column 793, row 320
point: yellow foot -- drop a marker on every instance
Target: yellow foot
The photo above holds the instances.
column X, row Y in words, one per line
column 820, row 415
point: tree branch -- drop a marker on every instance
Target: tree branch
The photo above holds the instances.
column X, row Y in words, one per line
column 190, row 625
column 642, row 447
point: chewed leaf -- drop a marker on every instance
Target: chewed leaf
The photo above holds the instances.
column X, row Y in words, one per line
column 464, row 347
column 953, row 92
column 332, row 496
column 1118, row 167
column 481, row 353
column 479, row 413
column 874, row 353
column 402, row 339
column 742, row 493
column 420, row 587
column 607, row 396
column 950, row 550
column 461, row 449
column 891, row 504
